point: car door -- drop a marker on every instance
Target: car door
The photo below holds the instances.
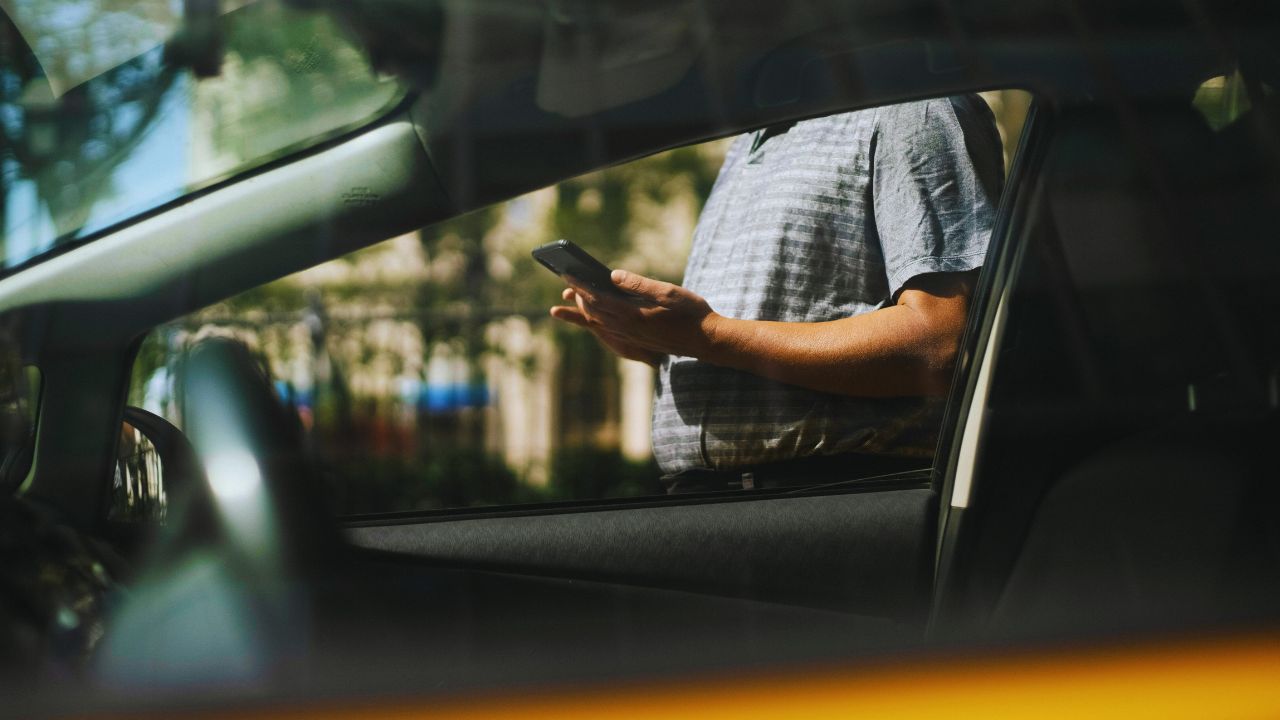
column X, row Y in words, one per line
column 864, row 549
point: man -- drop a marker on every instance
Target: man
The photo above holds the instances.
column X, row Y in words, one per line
column 824, row 297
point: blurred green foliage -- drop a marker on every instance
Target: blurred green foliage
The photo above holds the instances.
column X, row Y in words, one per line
column 475, row 272
column 1222, row 99
column 467, row 477
column 444, row 478
column 586, row 472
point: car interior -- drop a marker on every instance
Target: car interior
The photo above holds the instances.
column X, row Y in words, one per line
column 1154, row 509
column 1102, row 466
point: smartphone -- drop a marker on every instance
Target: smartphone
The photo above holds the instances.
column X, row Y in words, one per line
column 567, row 260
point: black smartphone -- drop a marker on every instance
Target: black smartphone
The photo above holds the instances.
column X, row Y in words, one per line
column 567, row 260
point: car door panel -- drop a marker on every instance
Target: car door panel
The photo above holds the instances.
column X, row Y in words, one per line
column 868, row 553
column 452, row 629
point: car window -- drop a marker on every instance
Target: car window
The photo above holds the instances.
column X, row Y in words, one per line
column 19, row 417
column 1222, row 99
column 427, row 372
column 137, row 483
column 94, row 133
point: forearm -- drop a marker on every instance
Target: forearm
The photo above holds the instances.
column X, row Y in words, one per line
column 907, row 349
column 894, row 351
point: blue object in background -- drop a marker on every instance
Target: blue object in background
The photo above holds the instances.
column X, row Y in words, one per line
column 451, row 397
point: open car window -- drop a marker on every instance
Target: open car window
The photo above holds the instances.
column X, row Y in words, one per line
column 427, row 374
column 94, row 133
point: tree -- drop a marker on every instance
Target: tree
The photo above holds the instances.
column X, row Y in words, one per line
column 67, row 144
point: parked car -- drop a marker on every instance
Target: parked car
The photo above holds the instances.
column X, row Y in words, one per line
column 1102, row 477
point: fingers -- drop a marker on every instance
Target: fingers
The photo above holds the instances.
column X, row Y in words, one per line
column 588, row 311
column 624, row 346
column 575, row 317
column 583, row 294
column 570, row 315
column 597, row 306
column 581, row 301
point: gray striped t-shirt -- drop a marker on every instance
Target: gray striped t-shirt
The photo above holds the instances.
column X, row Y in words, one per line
column 825, row 220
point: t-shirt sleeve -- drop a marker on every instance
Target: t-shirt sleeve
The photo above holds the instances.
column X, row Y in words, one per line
column 933, row 212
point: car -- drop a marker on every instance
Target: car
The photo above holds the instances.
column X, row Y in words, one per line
column 187, row 529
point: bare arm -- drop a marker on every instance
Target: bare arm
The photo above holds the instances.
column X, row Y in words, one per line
column 905, row 349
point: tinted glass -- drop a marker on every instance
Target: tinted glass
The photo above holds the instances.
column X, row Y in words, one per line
column 426, row 370
column 92, row 133
column 137, row 485
column 19, row 413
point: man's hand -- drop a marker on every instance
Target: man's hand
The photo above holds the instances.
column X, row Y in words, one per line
column 905, row 349
column 665, row 320
column 620, row 347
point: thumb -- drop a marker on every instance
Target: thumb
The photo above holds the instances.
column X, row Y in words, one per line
column 639, row 284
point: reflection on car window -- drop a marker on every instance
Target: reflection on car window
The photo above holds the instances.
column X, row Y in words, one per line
column 91, row 135
column 428, row 373
column 19, row 414
column 137, row 486
column 1221, row 100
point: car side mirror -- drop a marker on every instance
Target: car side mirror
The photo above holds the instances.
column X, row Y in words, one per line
column 153, row 461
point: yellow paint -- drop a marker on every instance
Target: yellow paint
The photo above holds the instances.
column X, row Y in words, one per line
column 1221, row 679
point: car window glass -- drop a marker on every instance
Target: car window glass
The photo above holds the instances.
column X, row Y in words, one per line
column 19, row 415
column 137, row 484
column 427, row 373
column 1224, row 98
column 94, row 133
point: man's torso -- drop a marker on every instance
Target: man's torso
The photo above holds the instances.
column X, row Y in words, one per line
column 787, row 234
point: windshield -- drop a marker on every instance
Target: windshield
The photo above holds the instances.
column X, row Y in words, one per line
column 109, row 109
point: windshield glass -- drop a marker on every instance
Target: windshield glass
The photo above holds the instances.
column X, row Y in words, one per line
column 109, row 109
